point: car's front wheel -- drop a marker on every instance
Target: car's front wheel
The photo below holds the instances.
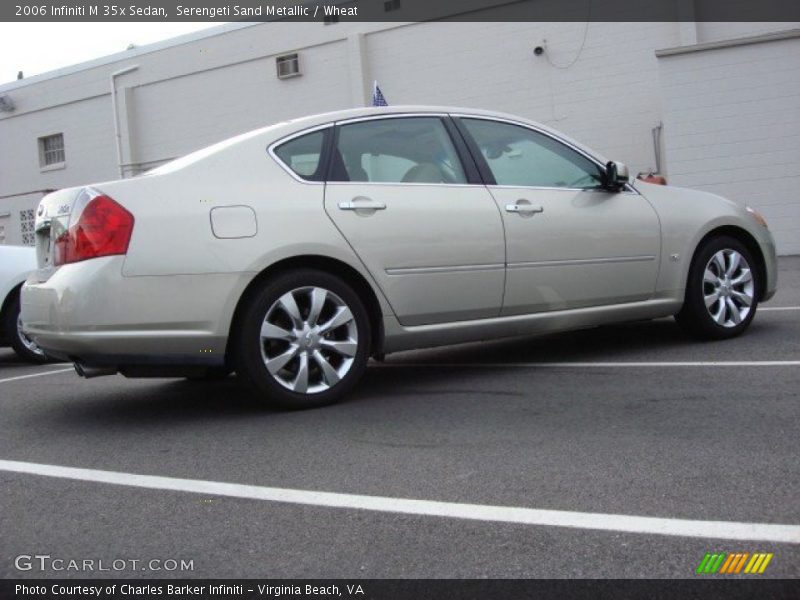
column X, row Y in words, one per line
column 25, row 347
column 722, row 290
column 303, row 340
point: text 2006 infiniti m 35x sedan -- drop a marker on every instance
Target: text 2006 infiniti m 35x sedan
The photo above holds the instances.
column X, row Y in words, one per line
column 293, row 253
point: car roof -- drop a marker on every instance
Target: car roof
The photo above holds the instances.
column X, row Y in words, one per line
column 374, row 111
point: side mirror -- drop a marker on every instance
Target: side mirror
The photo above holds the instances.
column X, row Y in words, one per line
column 616, row 176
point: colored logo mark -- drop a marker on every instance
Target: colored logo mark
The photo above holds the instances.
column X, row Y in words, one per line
column 734, row 563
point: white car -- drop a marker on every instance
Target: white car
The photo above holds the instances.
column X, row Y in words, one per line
column 16, row 263
column 293, row 253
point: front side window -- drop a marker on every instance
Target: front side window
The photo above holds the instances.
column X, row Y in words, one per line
column 302, row 155
column 519, row 156
column 398, row 150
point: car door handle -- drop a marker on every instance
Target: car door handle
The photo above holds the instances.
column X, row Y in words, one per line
column 362, row 203
column 525, row 209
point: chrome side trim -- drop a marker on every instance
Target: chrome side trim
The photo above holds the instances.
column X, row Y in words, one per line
column 404, row 183
column 453, row 269
column 581, row 261
column 556, row 189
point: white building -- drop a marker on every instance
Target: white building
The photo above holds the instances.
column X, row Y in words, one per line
column 711, row 105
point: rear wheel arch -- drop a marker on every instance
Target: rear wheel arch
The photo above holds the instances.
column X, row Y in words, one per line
column 746, row 238
column 333, row 266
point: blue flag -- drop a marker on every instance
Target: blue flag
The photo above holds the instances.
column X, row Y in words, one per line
column 377, row 96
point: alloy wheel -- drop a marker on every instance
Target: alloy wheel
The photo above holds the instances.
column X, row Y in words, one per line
column 728, row 288
column 309, row 340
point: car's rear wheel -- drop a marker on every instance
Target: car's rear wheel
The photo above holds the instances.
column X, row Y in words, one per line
column 722, row 290
column 303, row 340
column 25, row 347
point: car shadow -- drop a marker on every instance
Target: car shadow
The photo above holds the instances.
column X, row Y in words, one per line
column 163, row 401
column 185, row 402
column 9, row 358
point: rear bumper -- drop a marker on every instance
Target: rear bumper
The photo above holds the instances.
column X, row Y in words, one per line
column 88, row 312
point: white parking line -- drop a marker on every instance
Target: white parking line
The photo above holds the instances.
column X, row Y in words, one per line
column 763, row 308
column 601, row 365
column 53, row 372
column 727, row 530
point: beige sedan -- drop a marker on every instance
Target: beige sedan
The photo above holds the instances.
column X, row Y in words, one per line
column 293, row 253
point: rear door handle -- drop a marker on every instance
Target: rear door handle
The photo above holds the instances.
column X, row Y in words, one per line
column 362, row 203
column 524, row 209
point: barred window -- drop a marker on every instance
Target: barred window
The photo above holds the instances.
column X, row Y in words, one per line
column 288, row 66
column 51, row 150
column 26, row 225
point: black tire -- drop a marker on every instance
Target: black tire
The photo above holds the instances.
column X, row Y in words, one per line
column 15, row 337
column 694, row 316
column 251, row 352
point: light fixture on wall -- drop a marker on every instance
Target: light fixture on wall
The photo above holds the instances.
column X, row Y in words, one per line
column 6, row 103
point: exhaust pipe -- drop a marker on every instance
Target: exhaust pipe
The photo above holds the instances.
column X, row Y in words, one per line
column 89, row 372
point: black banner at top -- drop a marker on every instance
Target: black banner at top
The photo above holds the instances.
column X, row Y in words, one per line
column 398, row 10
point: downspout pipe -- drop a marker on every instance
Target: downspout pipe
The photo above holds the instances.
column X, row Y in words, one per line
column 117, row 132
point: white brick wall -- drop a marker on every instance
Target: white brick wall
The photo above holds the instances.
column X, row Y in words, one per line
column 199, row 91
column 88, row 140
column 177, row 115
column 608, row 99
column 732, row 126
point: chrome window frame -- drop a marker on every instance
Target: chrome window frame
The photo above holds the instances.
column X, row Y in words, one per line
column 629, row 189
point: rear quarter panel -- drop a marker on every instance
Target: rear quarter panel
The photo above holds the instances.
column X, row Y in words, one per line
column 173, row 233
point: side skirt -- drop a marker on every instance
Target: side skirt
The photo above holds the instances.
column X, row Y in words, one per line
column 398, row 337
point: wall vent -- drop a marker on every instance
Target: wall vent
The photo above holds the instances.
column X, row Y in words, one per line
column 288, row 66
column 51, row 150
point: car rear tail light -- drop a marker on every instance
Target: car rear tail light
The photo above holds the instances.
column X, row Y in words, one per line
column 98, row 226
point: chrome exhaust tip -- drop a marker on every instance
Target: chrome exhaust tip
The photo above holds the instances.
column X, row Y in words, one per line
column 89, row 372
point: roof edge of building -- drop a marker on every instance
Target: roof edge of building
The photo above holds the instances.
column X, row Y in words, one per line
column 123, row 55
column 775, row 36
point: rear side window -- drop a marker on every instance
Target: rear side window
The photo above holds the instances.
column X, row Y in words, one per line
column 303, row 155
column 398, row 150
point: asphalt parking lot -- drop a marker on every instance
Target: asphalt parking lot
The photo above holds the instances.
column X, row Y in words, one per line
column 690, row 434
